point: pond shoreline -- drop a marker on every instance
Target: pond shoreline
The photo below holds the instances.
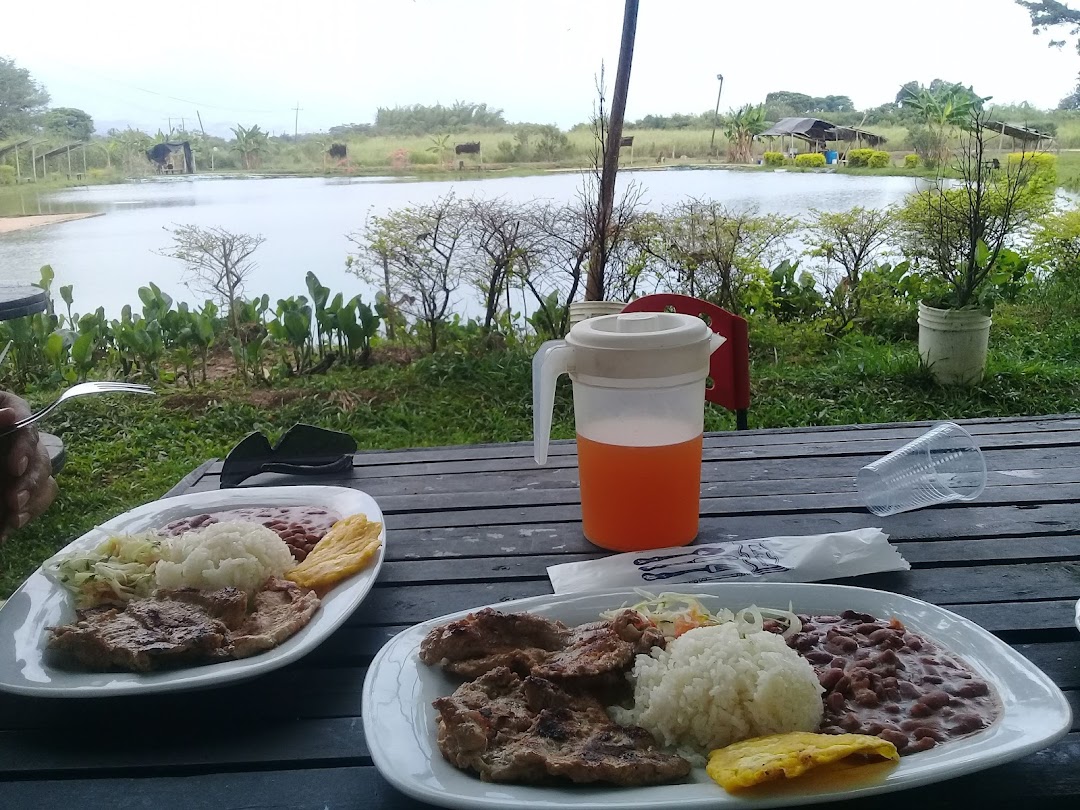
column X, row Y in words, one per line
column 24, row 222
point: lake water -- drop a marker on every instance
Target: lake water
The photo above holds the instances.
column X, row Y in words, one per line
column 305, row 221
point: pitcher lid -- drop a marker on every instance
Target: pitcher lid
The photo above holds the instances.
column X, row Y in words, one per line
column 639, row 331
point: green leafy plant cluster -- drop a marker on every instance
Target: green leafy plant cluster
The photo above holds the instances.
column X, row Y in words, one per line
column 810, row 160
column 878, row 160
column 171, row 342
column 773, row 159
column 859, row 158
column 911, row 161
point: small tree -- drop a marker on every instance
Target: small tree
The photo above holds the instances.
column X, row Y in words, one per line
column 959, row 232
column 718, row 253
column 217, row 262
column 851, row 240
column 500, row 234
column 421, row 248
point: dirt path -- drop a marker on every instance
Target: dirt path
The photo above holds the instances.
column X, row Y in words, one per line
column 12, row 224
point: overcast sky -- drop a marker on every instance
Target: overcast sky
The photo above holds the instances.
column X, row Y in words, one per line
column 251, row 62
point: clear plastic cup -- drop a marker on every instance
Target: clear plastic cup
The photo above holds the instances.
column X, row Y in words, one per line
column 942, row 465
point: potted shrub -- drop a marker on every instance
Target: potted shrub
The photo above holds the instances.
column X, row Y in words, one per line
column 958, row 234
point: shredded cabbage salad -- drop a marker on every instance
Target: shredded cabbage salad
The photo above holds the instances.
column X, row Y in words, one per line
column 117, row 571
column 675, row 613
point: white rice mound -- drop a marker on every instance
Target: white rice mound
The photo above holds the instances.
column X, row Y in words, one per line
column 237, row 554
column 711, row 688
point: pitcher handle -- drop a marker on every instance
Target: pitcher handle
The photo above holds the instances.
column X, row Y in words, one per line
column 550, row 360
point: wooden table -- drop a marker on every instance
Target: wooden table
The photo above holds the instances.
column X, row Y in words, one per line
column 474, row 525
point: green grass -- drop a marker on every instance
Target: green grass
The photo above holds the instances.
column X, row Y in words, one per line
column 123, row 452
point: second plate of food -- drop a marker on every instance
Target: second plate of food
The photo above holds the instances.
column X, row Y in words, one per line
column 997, row 705
column 276, row 626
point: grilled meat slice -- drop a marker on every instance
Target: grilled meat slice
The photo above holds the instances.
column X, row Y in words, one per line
column 511, row 730
column 600, row 647
column 149, row 634
column 488, row 639
column 533, row 645
column 228, row 604
column 281, row 609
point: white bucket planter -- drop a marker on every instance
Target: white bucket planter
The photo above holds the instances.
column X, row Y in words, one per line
column 583, row 310
column 952, row 343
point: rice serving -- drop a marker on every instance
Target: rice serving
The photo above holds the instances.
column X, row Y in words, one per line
column 237, row 554
column 712, row 687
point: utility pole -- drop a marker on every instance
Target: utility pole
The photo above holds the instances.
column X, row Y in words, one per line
column 296, row 120
column 716, row 116
column 202, row 129
column 594, row 282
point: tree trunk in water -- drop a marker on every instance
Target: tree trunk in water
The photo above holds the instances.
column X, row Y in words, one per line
column 594, row 285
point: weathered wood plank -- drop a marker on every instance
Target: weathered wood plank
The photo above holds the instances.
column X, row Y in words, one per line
column 1016, row 464
column 829, row 435
column 487, row 569
column 265, row 740
column 533, row 507
column 967, row 523
column 254, row 734
column 301, row 691
column 394, row 603
column 718, row 479
column 1046, row 779
column 919, row 553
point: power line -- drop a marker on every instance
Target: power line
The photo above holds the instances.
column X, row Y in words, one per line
column 171, row 97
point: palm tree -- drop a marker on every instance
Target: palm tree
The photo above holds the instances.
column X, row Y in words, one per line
column 741, row 127
column 942, row 110
column 250, row 143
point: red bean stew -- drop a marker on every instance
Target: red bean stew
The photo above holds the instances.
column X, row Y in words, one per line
column 301, row 527
column 881, row 679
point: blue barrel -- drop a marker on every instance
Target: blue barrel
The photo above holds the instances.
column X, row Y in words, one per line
column 831, row 156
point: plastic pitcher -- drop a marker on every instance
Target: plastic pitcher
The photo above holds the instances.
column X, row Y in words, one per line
column 639, row 411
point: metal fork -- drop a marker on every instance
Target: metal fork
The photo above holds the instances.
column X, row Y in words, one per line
column 80, row 390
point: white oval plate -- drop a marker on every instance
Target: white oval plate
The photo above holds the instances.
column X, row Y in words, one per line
column 400, row 724
column 40, row 603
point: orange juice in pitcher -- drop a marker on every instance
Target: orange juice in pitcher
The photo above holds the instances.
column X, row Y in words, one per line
column 637, row 498
column 639, row 402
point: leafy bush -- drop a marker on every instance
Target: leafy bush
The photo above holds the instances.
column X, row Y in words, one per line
column 552, row 144
column 878, row 160
column 857, row 158
column 773, row 158
column 794, row 299
column 889, row 301
column 1056, row 254
column 811, row 160
column 1044, row 165
column 911, row 161
column 7, row 175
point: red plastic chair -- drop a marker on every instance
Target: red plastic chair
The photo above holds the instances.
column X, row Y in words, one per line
column 729, row 367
